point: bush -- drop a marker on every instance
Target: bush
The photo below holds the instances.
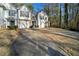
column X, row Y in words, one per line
column 12, row 27
column 72, row 25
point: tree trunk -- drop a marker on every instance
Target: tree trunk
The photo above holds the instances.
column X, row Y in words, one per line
column 60, row 16
column 76, row 18
column 66, row 15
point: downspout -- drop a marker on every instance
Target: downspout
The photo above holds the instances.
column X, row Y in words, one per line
column 18, row 17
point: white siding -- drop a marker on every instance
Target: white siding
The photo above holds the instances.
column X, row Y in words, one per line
column 26, row 11
column 24, row 24
column 6, row 14
column 1, row 12
column 42, row 20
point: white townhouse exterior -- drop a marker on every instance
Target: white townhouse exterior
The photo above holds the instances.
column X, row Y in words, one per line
column 22, row 18
column 3, row 20
column 11, row 16
column 2, row 16
column 7, row 15
column 42, row 19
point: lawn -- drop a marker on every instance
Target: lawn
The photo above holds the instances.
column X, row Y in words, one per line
column 6, row 39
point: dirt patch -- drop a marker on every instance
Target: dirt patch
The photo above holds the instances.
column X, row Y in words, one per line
column 5, row 51
column 7, row 37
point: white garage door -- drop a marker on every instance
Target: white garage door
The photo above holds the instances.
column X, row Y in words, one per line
column 23, row 24
column 42, row 24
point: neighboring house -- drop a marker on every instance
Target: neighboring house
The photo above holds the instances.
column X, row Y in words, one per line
column 24, row 16
column 11, row 16
column 42, row 19
column 7, row 15
column 3, row 21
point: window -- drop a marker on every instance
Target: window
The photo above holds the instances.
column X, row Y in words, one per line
column 41, row 17
column 12, row 12
column 12, row 23
column 1, row 11
column 24, row 14
column 45, row 18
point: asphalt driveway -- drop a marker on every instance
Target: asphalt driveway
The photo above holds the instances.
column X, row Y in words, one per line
column 32, row 43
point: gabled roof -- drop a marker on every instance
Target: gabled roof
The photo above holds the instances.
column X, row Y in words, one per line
column 2, row 5
column 24, row 8
column 6, row 6
column 42, row 11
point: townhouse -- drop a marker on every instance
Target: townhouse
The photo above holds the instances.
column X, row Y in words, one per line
column 42, row 19
column 22, row 17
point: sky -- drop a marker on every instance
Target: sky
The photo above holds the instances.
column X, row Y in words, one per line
column 37, row 6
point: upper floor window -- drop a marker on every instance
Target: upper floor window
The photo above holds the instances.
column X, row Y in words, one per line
column 45, row 18
column 1, row 11
column 24, row 14
column 41, row 17
column 12, row 12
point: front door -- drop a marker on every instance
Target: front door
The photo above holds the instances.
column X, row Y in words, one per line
column 42, row 24
column 12, row 23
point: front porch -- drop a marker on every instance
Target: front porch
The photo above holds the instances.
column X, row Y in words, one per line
column 12, row 23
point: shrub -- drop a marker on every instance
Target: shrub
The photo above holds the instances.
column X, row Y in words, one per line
column 72, row 25
column 12, row 27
